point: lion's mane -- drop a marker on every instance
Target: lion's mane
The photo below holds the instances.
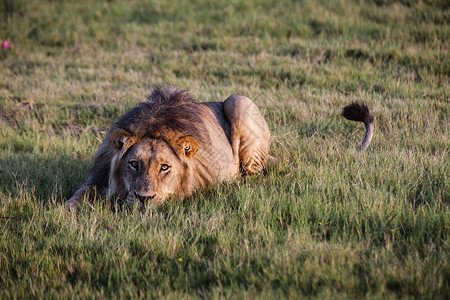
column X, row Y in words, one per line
column 169, row 114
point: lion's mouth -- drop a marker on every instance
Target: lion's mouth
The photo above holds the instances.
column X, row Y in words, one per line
column 142, row 198
column 135, row 199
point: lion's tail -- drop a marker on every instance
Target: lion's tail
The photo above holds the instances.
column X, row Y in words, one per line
column 360, row 113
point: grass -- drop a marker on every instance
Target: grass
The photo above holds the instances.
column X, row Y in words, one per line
column 325, row 222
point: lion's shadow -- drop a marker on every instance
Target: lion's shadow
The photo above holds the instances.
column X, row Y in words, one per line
column 42, row 177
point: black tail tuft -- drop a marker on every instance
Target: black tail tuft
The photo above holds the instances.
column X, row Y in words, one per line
column 360, row 112
column 357, row 112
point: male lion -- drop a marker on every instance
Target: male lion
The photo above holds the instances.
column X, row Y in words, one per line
column 172, row 145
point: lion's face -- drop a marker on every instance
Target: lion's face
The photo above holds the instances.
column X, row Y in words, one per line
column 151, row 169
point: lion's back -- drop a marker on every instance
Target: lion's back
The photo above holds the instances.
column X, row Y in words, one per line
column 219, row 131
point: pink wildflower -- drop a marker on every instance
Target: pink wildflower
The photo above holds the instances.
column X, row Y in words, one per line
column 6, row 45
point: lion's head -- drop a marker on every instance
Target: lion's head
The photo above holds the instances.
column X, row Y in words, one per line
column 155, row 150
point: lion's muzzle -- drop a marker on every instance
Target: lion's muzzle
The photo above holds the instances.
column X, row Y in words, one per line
column 143, row 198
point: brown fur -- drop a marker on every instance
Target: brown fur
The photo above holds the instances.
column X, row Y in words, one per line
column 200, row 142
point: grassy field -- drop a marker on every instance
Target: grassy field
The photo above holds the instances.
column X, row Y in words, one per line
column 325, row 222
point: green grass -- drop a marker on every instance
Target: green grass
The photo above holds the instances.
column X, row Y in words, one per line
column 325, row 222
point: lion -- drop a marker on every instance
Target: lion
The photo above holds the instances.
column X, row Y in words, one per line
column 172, row 146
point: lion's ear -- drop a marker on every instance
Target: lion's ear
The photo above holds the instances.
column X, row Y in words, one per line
column 122, row 139
column 187, row 146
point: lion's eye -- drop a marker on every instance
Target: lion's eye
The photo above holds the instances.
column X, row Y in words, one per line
column 165, row 167
column 134, row 164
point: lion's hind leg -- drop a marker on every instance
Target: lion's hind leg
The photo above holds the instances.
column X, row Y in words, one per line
column 250, row 135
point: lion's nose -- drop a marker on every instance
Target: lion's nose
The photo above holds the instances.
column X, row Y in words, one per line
column 144, row 199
